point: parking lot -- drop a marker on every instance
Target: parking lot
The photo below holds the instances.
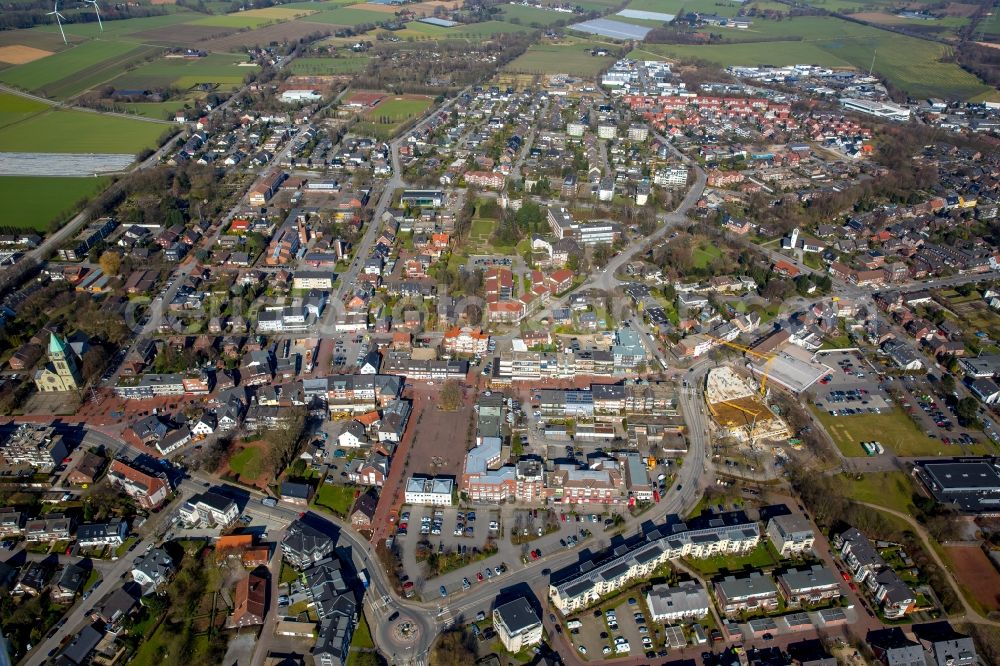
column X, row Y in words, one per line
column 927, row 402
column 349, row 349
column 620, row 630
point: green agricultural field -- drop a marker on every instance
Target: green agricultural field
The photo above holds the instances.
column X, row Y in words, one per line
column 908, row 63
column 159, row 110
column 321, row 6
column 14, row 108
column 116, row 29
column 719, row 7
column 595, row 5
column 220, row 68
column 485, row 29
column 350, row 16
column 39, row 203
column 570, row 59
column 468, row 31
column 76, row 61
column 80, row 132
column 239, row 21
column 533, row 16
column 350, row 65
column 990, row 25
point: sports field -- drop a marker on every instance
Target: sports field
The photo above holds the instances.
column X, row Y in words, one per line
column 34, row 203
column 385, row 119
column 14, row 108
column 320, row 66
column 79, row 132
column 977, row 576
column 909, row 63
column 570, row 59
column 400, row 109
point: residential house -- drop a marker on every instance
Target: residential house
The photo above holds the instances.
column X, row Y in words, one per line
column 681, row 603
column 305, row 545
column 249, row 602
column 89, row 535
column 746, row 594
column 517, row 625
column 813, row 585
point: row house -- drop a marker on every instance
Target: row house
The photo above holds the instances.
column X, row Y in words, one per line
column 812, row 585
column 746, row 594
column 51, row 527
column 868, row 567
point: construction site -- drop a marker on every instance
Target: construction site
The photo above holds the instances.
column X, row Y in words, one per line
column 740, row 409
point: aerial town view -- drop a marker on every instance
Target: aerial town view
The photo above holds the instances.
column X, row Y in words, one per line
column 500, row 332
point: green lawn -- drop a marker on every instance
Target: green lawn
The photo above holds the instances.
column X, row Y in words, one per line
column 126, row 544
column 892, row 490
column 760, row 557
column 38, row 203
column 894, row 430
column 80, row 132
column 571, row 59
column 336, row 498
column 288, row 574
column 248, row 463
column 704, row 254
column 362, row 634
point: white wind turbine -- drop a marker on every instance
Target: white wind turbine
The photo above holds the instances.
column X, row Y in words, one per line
column 59, row 18
column 96, row 11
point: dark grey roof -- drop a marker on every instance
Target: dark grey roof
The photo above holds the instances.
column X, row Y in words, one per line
column 83, row 644
column 517, row 615
column 296, row 490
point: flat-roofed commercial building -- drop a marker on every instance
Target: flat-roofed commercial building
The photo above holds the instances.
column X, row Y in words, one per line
column 432, row 491
column 971, row 484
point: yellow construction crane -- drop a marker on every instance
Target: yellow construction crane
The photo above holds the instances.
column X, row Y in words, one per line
column 768, row 358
